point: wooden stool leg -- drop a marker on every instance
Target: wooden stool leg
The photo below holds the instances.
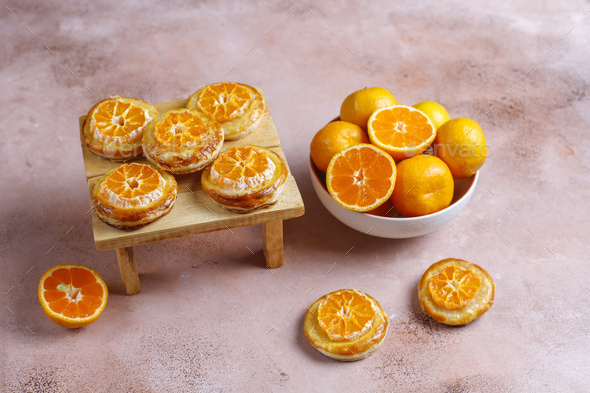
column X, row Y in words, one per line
column 272, row 243
column 126, row 259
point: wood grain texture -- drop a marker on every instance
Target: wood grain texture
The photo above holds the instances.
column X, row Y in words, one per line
column 194, row 212
column 128, row 268
column 272, row 243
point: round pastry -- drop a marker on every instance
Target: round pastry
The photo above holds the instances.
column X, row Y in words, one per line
column 182, row 141
column 245, row 178
column 346, row 325
column 237, row 107
column 114, row 127
column 133, row 195
column 455, row 292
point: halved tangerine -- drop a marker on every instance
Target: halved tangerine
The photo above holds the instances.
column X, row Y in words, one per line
column 454, row 287
column 72, row 295
column 346, row 314
column 361, row 177
column 402, row 131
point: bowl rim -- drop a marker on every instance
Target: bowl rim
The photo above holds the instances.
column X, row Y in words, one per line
column 469, row 189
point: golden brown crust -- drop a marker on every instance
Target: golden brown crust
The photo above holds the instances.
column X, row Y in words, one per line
column 250, row 199
column 133, row 217
column 471, row 311
column 244, row 124
column 115, row 151
column 181, row 158
column 346, row 350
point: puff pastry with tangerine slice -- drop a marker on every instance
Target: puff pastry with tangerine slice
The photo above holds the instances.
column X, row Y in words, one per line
column 133, row 195
column 182, row 141
column 236, row 106
column 455, row 292
column 245, row 178
column 346, row 325
column 114, row 127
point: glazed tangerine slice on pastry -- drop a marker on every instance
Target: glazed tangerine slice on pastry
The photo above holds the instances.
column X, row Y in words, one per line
column 133, row 195
column 454, row 287
column 346, row 325
column 236, row 106
column 72, row 295
column 114, row 127
column 245, row 178
column 182, row 141
column 455, row 292
column 346, row 315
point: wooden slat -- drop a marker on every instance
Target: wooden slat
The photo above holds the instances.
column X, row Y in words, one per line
column 193, row 213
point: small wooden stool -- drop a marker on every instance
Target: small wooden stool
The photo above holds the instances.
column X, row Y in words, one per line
column 194, row 212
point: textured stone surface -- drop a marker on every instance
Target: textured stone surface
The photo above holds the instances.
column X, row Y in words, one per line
column 210, row 316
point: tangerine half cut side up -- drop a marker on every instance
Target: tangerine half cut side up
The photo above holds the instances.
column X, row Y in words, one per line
column 400, row 130
column 72, row 295
column 361, row 177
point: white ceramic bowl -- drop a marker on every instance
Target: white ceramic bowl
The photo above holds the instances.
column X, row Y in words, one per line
column 394, row 227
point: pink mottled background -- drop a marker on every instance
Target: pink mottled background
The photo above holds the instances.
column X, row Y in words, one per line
column 210, row 317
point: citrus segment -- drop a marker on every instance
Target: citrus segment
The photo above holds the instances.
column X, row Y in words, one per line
column 133, row 185
column 72, row 295
column 180, row 128
column 346, row 315
column 361, row 177
column 454, row 287
column 224, row 101
column 400, row 130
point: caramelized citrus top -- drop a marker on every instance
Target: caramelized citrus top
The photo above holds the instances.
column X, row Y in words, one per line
column 346, row 314
column 133, row 185
column 74, row 292
column 401, row 126
column 454, row 287
column 242, row 167
column 224, row 101
column 119, row 122
column 178, row 128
